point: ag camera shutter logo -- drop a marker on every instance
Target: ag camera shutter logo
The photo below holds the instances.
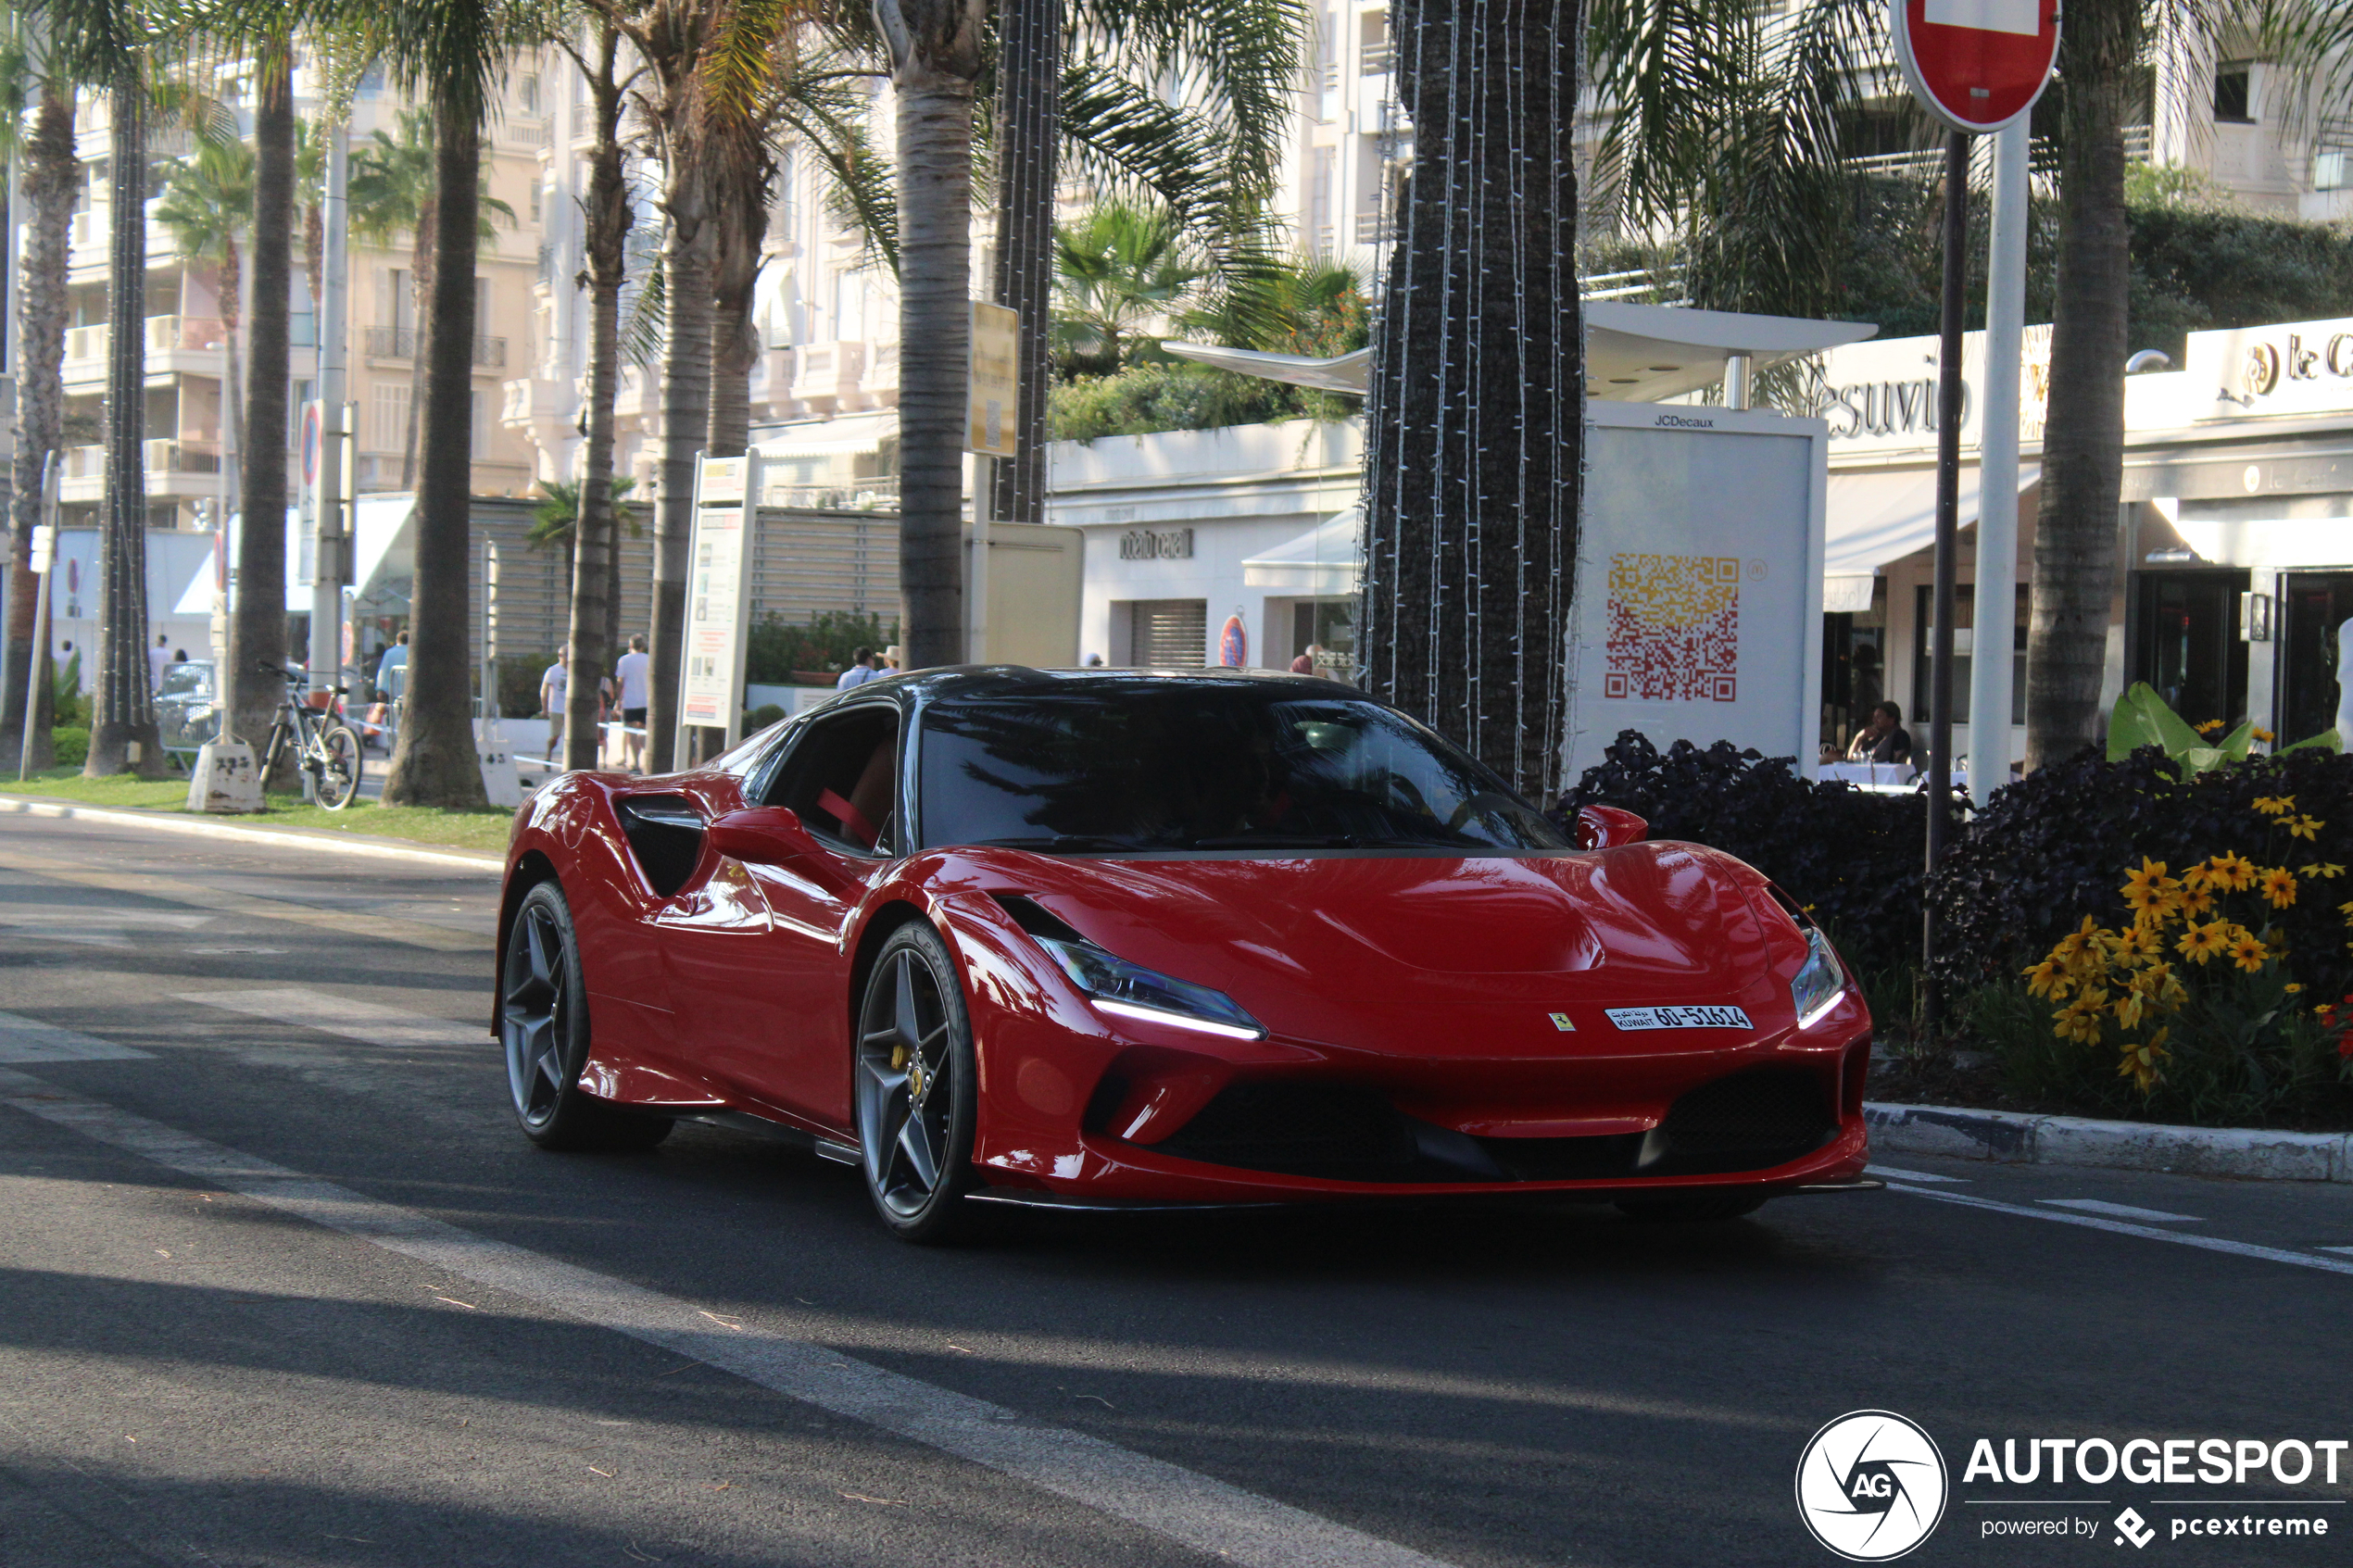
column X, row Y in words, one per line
column 1871, row 1486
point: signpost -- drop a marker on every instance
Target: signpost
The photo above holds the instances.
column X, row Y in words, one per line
column 991, row 400
column 44, row 555
column 1976, row 66
column 710, row 684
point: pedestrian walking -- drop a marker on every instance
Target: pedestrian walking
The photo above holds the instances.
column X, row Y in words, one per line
column 555, row 686
column 158, row 661
column 634, row 671
column 861, row 670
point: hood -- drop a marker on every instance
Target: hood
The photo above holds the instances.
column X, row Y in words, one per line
column 1306, row 942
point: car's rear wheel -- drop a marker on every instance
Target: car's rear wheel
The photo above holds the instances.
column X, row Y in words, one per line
column 543, row 1023
column 915, row 1086
column 1691, row 1206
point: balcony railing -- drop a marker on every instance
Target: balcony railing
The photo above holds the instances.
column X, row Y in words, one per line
column 166, row 334
column 157, row 457
column 400, row 343
column 1378, row 57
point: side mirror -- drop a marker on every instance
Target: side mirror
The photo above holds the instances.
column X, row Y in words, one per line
column 1607, row 827
column 764, row 836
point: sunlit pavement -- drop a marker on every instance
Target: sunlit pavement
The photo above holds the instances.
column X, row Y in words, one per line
column 283, row 1285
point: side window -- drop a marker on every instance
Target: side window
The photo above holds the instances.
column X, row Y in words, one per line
column 841, row 777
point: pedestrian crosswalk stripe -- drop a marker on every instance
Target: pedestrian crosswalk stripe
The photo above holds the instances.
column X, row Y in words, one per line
column 27, row 1040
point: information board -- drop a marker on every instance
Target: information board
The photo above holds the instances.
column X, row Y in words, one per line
column 1697, row 611
column 992, row 397
column 710, row 683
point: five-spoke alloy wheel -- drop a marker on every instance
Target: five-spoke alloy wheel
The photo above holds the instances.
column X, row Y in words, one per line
column 543, row 1023
column 914, row 1086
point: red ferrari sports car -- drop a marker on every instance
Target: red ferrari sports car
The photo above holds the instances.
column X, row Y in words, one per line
column 1110, row 939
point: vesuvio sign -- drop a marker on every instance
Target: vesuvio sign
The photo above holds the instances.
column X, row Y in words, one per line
column 1881, row 394
column 1886, row 407
column 1976, row 64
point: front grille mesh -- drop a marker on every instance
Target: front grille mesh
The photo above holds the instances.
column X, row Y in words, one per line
column 1750, row 1120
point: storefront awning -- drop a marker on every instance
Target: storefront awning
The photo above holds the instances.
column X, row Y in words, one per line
column 1882, row 516
column 1327, row 559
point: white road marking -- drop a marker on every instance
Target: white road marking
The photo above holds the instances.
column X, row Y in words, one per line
column 40, row 916
column 1891, row 1171
column 27, row 1040
column 331, row 1014
column 2123, row 1211
column 2121, row 1227
column 1184, row 1506
column 2346, row 1251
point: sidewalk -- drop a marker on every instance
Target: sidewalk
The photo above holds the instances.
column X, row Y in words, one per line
column 2012, row 1138
column 230, row 828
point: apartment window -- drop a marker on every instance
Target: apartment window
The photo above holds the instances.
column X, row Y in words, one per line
column 477, row 426
column 1320, row 198
column 535, row 194
column 2234, row 93
column 389, row 416
column 530, row 94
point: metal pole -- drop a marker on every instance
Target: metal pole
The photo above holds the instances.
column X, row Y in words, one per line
column 1997, row 620
column 37, row 665
column 976, row 572
column 330, row 520
column 1948, row 494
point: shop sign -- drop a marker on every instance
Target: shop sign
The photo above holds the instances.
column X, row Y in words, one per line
column 1156, row 543
column 1881, row 396
column 2300, row 369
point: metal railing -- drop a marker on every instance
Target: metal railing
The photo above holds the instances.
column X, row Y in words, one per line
column 1378, row 57
column 1643, row 285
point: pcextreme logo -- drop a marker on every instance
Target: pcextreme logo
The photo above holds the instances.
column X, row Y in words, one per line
column 1871, row 1486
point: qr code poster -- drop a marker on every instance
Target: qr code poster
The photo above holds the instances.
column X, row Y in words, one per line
column 1674, row 628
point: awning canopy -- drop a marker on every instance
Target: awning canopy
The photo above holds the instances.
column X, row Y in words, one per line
column 1327, row 559
column 1882, row 516
column 1633, row 353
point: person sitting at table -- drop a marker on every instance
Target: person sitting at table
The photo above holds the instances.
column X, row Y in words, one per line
column 1884, row 739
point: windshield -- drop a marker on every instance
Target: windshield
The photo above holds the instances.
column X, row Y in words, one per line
column 186, row 680
column 1186, row 765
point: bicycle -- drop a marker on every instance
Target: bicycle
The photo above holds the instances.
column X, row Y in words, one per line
column 324, row 747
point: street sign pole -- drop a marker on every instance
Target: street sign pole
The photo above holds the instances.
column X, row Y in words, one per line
column 1978, row 66
column 44, row 555
column 1990, row 683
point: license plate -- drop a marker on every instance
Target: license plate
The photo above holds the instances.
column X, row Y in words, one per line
column 1678, row 1018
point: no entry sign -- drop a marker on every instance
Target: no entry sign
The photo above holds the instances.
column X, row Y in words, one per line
column 1976, row 64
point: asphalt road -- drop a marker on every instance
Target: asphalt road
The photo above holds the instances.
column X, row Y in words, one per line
column 280, row 1284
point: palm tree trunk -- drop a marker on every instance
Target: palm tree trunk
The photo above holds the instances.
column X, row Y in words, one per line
column 124, row 715
column 2075, row 537
column 1029, row 121
column 1475, row 430
column 258, row 623
column 435, row 762
column 420, row 276
column 740, row 218
column 51, row 174
column 686, row 258
column 593, row 590
column 935, row 334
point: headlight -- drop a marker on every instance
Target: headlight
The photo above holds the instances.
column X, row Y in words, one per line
column 1819, row 982
column 1130, row 990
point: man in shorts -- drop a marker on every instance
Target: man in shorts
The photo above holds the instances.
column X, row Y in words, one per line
column 555, row 689
column 634, row 671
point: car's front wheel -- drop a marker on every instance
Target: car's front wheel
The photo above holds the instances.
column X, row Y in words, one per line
column 543, row 1023
column 915, row 1086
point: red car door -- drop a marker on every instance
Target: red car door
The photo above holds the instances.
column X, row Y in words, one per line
column 756, row 955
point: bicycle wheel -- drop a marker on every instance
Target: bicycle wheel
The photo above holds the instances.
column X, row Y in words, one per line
column 339, row 775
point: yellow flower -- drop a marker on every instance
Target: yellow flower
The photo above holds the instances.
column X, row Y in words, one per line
column 2264, row 735
column 2045, row 980
column 2208, row 727
column 2320, row 868
column 2275, row 805
column 2196, row 903
column 2279, row 887
column 2140, row 1061
column 2248, row 952
column 2294, row 989
column 2128, row 1009
column 2137, row 944
column 2231, row 872
column 2200, row 943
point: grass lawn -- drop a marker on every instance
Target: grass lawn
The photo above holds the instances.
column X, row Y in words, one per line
column 464, row 830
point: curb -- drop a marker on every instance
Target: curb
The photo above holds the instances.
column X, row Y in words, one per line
column 202, row 827
column 2011, row 1137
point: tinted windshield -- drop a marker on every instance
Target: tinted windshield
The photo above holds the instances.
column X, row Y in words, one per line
column 1183, row 765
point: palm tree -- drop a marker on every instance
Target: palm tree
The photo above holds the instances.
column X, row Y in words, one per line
column 392, row 188
column 1123, row 269
column 453, row 52
column 50, row 176
column 115, row 41
column 595, row 597
column 1475, row 421
column 207, row 203
column 258, row 623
